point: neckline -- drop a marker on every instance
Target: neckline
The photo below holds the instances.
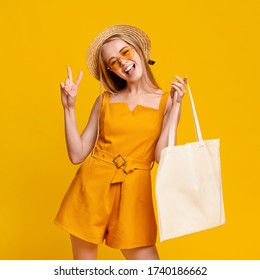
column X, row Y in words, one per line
column 138, row 104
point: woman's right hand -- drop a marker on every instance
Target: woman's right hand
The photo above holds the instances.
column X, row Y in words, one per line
column 69, row 90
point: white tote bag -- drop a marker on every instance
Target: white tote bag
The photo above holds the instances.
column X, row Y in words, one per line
column 189, row 185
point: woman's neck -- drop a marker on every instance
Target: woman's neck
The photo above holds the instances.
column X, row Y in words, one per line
column 136, row 88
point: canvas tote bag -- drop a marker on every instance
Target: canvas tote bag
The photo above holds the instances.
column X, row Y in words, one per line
column 189, row 185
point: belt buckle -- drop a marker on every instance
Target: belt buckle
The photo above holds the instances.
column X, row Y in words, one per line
column 116, row 164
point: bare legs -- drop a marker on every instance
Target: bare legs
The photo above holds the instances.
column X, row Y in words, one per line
column 141, row 253
column 83, row 250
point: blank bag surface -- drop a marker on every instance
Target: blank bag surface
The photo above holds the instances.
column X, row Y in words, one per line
column 189, row 185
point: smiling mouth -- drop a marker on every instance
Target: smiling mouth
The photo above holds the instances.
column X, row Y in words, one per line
column 129, row 68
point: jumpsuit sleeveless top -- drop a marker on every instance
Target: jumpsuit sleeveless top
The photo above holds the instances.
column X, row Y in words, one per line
column 110, row 197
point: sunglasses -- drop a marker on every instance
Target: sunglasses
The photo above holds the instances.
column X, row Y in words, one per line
column 126, row 53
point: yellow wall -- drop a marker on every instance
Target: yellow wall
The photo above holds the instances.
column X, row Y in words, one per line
column 214, row 43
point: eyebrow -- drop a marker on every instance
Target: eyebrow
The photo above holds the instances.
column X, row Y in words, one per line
column 119, row 52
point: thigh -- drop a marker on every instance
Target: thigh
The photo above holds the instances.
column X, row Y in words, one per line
column 83, row 250
column 141, row 253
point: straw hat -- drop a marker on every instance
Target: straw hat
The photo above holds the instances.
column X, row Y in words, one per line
column 122, row 29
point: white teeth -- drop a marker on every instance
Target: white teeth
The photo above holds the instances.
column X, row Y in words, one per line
column 129, row 68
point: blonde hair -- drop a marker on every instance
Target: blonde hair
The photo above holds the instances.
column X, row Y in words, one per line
column 113, row 83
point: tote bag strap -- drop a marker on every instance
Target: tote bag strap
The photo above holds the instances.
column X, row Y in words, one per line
column 172, row 131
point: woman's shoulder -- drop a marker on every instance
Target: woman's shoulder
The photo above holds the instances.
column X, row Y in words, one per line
column 106, row 95
column 161, row 92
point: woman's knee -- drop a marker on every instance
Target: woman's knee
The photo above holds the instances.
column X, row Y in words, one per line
column 141, row 253
column 83, row 250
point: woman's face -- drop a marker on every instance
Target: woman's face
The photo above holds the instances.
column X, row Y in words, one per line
column 131, row 69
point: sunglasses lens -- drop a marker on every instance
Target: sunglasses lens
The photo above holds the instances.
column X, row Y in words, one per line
column 126, row 54
column 114, row 64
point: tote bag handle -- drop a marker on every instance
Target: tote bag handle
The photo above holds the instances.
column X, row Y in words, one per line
column 172, row 131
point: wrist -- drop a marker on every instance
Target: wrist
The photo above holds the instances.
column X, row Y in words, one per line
column 69, row 110
column 176, row 105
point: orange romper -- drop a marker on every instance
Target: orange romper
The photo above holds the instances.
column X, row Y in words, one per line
column 110, row 197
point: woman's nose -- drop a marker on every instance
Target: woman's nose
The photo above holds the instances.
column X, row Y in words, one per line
column 122, row 61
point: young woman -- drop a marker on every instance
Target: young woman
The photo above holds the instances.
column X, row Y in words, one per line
column 110, row 198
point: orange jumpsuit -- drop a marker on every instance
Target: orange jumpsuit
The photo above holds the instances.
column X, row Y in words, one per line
column 110, row 197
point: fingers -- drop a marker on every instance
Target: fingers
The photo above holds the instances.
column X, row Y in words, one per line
column 68, row 82
column 178, row 93
column 68, row 87
column 70, row 77
column 180, row 80
column 79, row 78
column 178, row 88
column 69, row 74
column 63, row 88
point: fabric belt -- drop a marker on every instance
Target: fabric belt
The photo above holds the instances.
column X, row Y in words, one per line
column 122, row 164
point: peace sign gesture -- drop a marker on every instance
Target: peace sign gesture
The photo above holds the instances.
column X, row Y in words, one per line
column 69, row 90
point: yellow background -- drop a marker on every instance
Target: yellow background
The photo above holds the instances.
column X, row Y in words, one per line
column 214, row 43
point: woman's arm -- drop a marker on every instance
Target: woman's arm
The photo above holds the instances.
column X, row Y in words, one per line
column 172, row 112
column 79, row 146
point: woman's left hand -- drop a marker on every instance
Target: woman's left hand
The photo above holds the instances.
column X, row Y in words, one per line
column 178, row 88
